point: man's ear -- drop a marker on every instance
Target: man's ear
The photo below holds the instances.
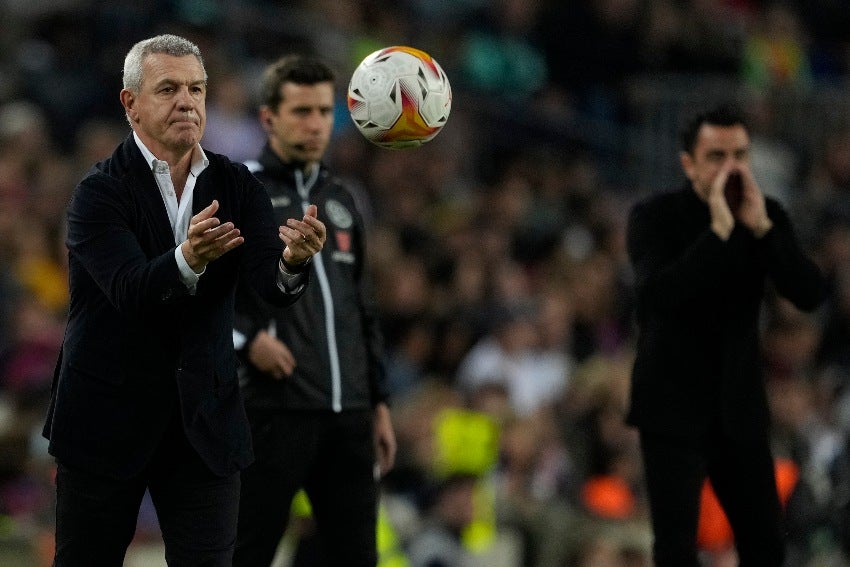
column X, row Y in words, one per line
column 264, row 118
column 687, row 162
column 128, row 101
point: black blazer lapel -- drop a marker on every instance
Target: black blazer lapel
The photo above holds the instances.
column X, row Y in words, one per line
column 205, row 190
column 143, row 184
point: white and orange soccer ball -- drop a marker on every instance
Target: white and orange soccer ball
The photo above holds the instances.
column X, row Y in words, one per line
column 399, row 97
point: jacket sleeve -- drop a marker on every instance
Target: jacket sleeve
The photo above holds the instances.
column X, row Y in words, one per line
column 666, row 276
column 794, row 274
column 103, row 236
column 249, row 317
column 263, row 247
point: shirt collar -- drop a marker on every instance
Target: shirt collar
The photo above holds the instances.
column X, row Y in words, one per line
column 199, row 158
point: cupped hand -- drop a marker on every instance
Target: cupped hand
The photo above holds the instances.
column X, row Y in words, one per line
column 303, row 238
column 722, row 219
column 208, row 238
column 753, row 212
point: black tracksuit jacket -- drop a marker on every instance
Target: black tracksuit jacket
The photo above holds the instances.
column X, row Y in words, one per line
column 333, row 330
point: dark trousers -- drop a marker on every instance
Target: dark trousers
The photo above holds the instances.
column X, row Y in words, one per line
column 742, row 475
column 332, row 457
column 96, row 514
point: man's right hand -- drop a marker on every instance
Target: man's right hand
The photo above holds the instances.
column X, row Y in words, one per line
column 722, row 219
column 271, row 356
column 208, row 239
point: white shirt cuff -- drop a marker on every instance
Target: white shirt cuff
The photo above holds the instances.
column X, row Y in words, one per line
column 187, row 274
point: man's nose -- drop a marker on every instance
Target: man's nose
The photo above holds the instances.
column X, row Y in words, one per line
column 315, row 120
column 184, row 98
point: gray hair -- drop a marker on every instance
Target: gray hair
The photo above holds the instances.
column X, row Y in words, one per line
column 167, row 44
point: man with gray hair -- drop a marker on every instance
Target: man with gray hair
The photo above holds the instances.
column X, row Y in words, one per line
column 145, row 393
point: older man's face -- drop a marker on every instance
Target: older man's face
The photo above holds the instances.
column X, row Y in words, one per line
column 169, row 111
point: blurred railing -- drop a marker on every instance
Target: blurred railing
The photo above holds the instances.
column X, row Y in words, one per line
column 638, row 150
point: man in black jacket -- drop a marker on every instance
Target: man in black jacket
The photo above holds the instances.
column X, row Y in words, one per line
column 702, row 258
column 314, row 382
column 145, row 394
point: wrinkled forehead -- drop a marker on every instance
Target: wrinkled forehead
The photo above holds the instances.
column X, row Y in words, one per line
column 157, row 67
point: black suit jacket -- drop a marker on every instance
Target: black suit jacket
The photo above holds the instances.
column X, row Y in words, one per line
column 138, row 346
column 698, row 301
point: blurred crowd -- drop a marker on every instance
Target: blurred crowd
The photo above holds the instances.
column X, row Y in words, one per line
column 497, row 248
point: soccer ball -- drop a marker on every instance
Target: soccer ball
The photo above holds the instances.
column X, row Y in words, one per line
column 399, row 97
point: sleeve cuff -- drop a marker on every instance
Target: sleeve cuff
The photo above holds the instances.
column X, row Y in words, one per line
column 290, row 281
column 187, row 275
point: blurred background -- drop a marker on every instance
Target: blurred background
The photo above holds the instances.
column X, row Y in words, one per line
column 497, row 248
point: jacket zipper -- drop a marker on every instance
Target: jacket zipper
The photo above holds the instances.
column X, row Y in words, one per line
column 304, row 188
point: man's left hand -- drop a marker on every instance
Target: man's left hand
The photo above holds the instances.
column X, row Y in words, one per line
column 303, row 238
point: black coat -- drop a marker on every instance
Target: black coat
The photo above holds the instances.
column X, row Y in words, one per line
column 698, row 301
column 137, row 343
column 333, row 331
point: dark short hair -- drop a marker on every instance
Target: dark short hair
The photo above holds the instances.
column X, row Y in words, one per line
column 725, row 114
column 298, row 69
